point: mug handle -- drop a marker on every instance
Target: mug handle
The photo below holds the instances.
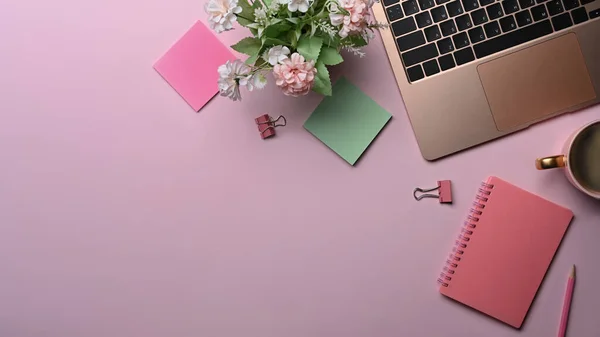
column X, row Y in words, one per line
column 550, row 162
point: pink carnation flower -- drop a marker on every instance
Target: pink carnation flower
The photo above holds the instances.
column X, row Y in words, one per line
column 356, row 20
column 295, row 76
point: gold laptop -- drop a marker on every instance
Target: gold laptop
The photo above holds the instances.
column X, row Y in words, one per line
column 474, row 70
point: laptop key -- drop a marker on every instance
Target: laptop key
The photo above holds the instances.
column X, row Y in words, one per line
column 511, row 6
column 431, row 67
column 423, row 19
column 410, row 7
column 446, row 62
column 390, row 2
column 539, row 13
column 525, row 34
column 486, row 2
column 394, row 13
column 479, row 17
column 420, row 54
column 433, row 33
column 492, row 29
column 562, row 21
column 470, row 5
column 448, row 27
column 464, row 56
column 439, row 14
column 595, row 13
column 415, row 73
column 579, row 15
column 404, row 26
column 523, row 18
column 460, row 40
column 495, row 11
column 508, row 23
column 439, row 2
column 426, row 4
column 585, row 2
column 454, row 8
column 476, row 35
column 570, row 4
column 555, row 7
column 464, row 22
column 526, row 3
column 445, row 46
column 410, row 41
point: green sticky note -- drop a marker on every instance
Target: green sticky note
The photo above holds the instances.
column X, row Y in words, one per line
column 347, row 121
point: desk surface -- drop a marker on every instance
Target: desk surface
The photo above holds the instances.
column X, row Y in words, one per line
column 124, row 213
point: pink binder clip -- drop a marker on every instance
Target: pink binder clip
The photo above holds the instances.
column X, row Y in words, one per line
column 445, row 192
column 266, row 125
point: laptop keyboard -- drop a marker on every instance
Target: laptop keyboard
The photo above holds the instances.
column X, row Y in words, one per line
column 437, row 35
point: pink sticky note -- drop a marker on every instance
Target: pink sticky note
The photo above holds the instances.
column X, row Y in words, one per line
column 190, row 66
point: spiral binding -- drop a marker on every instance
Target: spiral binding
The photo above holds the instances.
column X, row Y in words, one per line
column 466, row 231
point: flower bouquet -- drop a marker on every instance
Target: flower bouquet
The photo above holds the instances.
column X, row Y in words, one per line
column 296, row 40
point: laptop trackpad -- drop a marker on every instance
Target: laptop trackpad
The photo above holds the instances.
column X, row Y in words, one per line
column 530, row 84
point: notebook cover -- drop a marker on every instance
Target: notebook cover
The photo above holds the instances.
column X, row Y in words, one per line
column 190, row 66
column 508, row 253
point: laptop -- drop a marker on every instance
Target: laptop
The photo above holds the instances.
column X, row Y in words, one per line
column 474, row 70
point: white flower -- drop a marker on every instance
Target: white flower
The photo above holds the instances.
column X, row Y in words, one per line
column 229, row 77
column 256, row 81
column 274, row 6
column 336, row 18
column 260, row 14
column 298, row 5
column 277, row 54
column 221, row 14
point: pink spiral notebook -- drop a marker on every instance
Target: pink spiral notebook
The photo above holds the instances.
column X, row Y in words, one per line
column 504, row 250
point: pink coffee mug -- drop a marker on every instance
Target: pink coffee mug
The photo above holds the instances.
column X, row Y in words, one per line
column 580, row 159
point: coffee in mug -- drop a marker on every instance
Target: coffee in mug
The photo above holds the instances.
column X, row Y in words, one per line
column 581, row 159
column 585, row 158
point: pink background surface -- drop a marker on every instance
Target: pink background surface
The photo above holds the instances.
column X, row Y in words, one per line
column 124, row 213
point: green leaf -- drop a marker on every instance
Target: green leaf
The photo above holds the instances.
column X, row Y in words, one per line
column 244, row 22
column 252, row 59
column 322, row 80
column 333, row 42
column 260, row 62
column 269, row 41
column 246, row 17
column 294, row 20
column 298, row 33
column 357, row 41
column 330, row 56
column 310, row 47
column 293, row 38
column 276, row 30
column 249, row 46
column 267, row 2
column 313, row 29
